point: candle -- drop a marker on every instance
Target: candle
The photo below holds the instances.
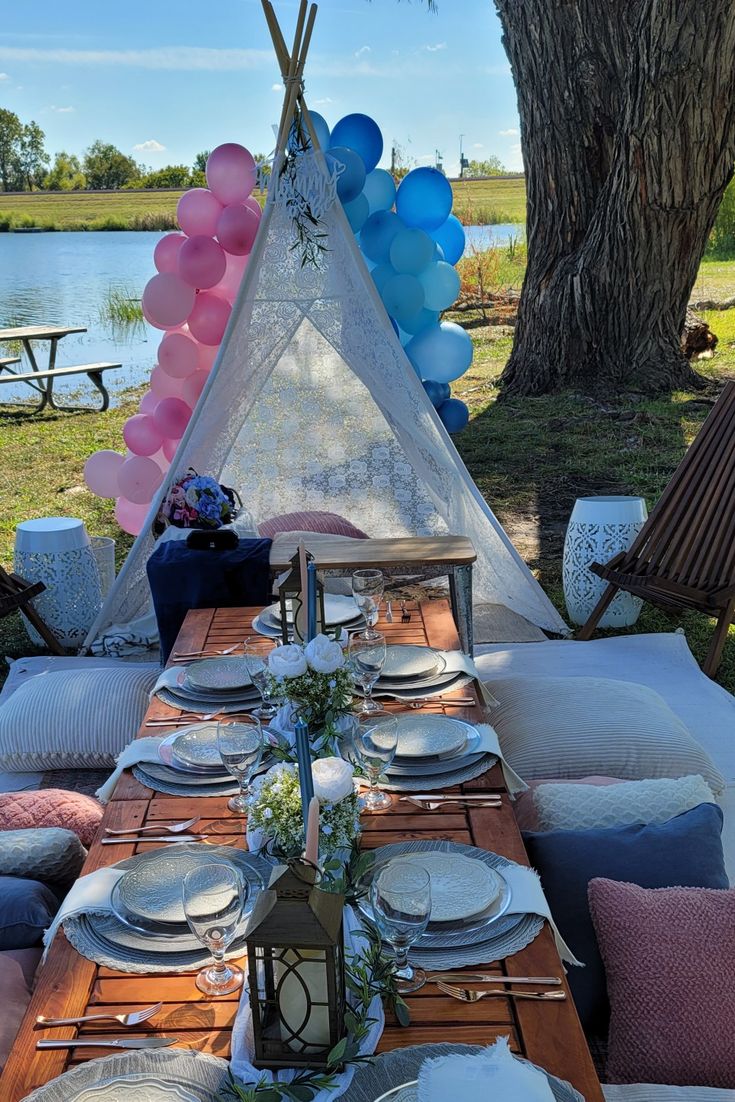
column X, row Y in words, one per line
column 311, row 853
column 303, row 759
column 311, row 600
column 296, row 974
column 300, row 619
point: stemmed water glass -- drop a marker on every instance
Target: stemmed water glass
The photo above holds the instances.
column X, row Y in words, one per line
column 374, row 743
column 240, row 746
column 214, row 898
column 257, row 666
column 367, row 589
column 401, row 902
column 367, row 658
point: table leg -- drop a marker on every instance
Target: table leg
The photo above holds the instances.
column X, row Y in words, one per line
column 44, row 391
column 460, row 592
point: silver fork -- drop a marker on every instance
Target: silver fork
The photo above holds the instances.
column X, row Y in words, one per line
column 465, row 995
column 434, row 805
column 206, row 653
column 173, row 828
column 135, row 1017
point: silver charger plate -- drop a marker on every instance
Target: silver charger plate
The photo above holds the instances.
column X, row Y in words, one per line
column 208, row 704
column 338, row 609
column 183, row 776
column 183, row 687
column 116, row 1078
column 180, row 787
column 454, row 773
column 407, row 661
column 420, row 689
column 166, row 755
column 226, row 673
column 407, row 768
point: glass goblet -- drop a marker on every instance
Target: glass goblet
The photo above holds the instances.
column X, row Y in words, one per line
column 257, row 666
column 367, row 658
column 214, row 897
column 374, row 742
column 401, row 902
column 367, row 589
column 240, row 746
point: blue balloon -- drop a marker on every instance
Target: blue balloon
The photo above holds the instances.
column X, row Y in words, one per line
column 361, row 133
column 450, row 238
column 441, row 285
column 320, row 128
column 357, row 212
column 403, row 296
column 453, row 414
column 411, row 251
column 376, row 236
column 436, row 392
column 352, row 177
column 442, row 353
column 420, row 321
column 380, row 190
column 424, row 198
column 381, row 273
column 396, row 330
column 438, row 252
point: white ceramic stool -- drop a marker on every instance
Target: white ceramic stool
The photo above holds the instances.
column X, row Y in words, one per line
column 599, row 528
column 57, row 551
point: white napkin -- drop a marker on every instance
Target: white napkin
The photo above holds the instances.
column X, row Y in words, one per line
column 169, row 679
column 243, row 1044
column 527, row 897
column 457, row 662
column 490, row 744
column 90, row 894
column 142, row 749
column 492, row 1073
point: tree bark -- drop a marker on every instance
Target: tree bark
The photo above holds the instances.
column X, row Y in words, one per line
column 627, row 112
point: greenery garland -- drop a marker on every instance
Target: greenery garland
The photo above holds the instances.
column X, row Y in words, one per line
column 310, row 229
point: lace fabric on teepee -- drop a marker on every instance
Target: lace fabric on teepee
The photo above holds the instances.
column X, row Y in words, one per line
column 313, row 404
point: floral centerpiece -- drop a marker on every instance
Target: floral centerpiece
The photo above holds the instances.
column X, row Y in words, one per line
column 275, row 816
column 313, row 680
column 197, row 501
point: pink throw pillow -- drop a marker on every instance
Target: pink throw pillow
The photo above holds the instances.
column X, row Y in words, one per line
column 330, row 524
column 669, row 956
column 15, row 994
column 525, row 804
column 51, row 807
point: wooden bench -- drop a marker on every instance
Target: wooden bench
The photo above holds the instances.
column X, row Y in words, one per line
column 35, row 379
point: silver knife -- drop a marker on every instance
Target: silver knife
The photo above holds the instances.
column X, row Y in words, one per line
column 483, row 977
column 153, row 838
column 111, row 1042
column 486, row 797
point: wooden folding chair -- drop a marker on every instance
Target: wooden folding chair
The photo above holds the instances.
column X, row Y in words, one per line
column 16, row 594
column 684, row 556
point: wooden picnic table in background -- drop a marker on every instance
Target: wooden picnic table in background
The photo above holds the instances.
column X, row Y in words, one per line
column 42, row 379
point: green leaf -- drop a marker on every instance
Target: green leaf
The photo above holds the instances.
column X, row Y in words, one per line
column 337, row 1054
column 403, row 1014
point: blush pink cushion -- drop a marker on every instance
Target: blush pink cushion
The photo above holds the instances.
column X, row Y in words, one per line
column 525, row 804
column 669, row 955
column 330, row 524
column 15, row 994
column 51, row 807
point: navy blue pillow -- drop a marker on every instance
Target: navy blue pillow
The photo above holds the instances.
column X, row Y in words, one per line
column 26, row 910
column 686, row 851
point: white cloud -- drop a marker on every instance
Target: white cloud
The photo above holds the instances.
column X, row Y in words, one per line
column 362, row 51
column 438, row 46
column 277, row 88
column 185, row 58
column 512, row 132
column 478, row 145
column 322, row 102
column 4, row 76
column 151, row 146
column 515, row 160
column 62, row 110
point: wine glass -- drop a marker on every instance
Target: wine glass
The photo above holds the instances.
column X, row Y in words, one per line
column 367, row 589
column 374, row 743
column 240, row 746
column 257, row 666
column 401, row 902
column 214, row 897
column 367, row 658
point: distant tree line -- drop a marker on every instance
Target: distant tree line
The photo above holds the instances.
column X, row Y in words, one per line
column 26, row 166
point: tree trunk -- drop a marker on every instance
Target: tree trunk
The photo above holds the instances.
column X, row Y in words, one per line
column 627, row 112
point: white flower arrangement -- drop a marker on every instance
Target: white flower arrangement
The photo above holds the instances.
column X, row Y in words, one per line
column 275, row 806
column 314, row 678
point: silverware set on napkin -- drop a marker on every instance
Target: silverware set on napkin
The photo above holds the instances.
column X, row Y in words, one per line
column 133, row 1018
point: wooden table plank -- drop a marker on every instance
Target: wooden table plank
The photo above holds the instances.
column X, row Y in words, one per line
column 337, row 554
column 39, row 332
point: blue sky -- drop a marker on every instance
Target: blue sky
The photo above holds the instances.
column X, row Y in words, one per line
column 185, row 76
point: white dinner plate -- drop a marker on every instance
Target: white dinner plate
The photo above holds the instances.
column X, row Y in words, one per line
column 338, row 609
column 218, row 673
column 430, row 736
column 460, row 886
column 409, row 661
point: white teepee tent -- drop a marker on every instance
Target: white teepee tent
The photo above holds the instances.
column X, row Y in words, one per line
column 313, row 404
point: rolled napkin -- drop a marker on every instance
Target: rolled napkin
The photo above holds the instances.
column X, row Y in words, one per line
column 527, row 897
column 243, row 1043
column 492, row 1073
column 142, row 749
column 90, row 894
column 490, row 744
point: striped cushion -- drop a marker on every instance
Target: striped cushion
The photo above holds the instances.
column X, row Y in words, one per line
column 76, row 719
column 331, row 524
column 566, row 727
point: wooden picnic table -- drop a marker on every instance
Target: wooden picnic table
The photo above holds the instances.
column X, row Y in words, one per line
column 42, row 378
column 68, row 985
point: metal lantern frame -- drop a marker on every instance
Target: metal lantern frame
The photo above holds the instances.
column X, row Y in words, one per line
column 293, row 588
column 295, row 924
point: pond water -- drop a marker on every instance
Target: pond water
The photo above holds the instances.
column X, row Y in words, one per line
column 64, row 279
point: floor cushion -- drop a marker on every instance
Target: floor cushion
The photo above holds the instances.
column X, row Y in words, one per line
column 26, row 910
column 51, row 807
column 316, row 521
column 669, row 957
column 564, row 806
column 572, row 727
column 524, row 805
column 661, row 1092
column 15, row 994
column 50, row 854
column 686, row 850
column 75, row 719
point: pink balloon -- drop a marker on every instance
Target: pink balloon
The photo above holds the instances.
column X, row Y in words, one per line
column 197, row 212
column 193, row 387
column 201, row 261
column 141, row 435
column 178, row 355
column 161, row 460
column 169, row 449
column 229, row 285
column 130, row 517
column 166, row 252
column 207, row 356
column 171, row 417
column 163, row 385
column 148, row 402
column 237, row 227
column 231, row 172
column 139, row 478
column 167, row 300
column 100, row 472
column 253, row 205
column 208, row 320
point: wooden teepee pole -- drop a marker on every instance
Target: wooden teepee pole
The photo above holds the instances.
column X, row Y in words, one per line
column 292, row 67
